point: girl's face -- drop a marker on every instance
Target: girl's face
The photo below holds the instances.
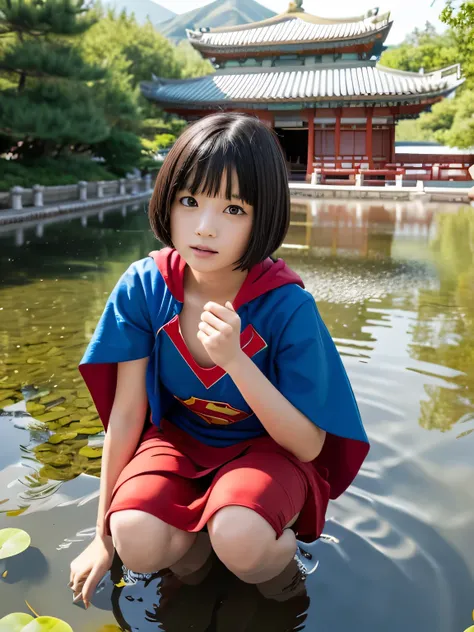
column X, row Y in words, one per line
column 211, row 233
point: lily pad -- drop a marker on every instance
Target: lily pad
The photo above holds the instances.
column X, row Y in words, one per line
column 52, row 458
column 44, row 447
column 78, row 427
column 62, row 436
column 7, row 394
column 34, row 408
column 51, row 398
column 21, row 622
column 471, row 629
column 13, row 542
column 53, row 474
column 52, row 416
column 88, row 419
column 90, row 453
column 82, row 403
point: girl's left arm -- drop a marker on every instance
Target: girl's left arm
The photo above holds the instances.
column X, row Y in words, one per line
column 283, row 422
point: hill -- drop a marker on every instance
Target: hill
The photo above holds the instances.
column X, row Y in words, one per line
column 217, row 14
column 143, row 9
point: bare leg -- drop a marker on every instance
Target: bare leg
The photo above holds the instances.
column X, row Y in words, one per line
column 247, row 544
column 133, row 530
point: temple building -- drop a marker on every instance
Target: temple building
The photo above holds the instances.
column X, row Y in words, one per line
column 315, row 80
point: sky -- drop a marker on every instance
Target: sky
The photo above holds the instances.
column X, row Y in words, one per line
column 406, row 14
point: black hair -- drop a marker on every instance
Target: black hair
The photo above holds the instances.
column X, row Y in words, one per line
column 221, row 143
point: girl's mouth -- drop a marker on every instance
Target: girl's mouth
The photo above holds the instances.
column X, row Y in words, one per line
column 202, row 252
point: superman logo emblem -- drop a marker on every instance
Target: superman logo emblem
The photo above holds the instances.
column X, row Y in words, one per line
column 217, row 413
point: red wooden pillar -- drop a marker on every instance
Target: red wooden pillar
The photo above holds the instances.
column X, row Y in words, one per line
column 393, row 129
column 368, row 138
column 337, row 138
column 310, row 159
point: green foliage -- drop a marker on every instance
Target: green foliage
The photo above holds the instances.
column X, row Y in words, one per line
column 43, row 17
column 425, row 49
column 48, row 59
column 121, row 151
column 138, row 51
column 62, row 94
column 452, row 121
column 53, row 115
column 52, row 105
column 191, row 61
column 51, row 171
column 461, row 23
column 412, row 130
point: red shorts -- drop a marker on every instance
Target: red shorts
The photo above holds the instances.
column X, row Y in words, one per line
column 183, row 482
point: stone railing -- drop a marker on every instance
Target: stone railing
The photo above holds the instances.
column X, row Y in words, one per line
column 38, row 196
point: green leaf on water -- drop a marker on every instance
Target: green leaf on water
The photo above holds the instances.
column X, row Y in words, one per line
column 90, row 452
column 13, row 542
column 62, row 436
column 21, row 622
column 471, row 629
column 15, row 622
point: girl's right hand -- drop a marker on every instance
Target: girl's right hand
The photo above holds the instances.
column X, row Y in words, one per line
column 88, row 568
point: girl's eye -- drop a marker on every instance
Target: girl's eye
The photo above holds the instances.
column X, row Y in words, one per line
column 187, row 200
column 234, row 210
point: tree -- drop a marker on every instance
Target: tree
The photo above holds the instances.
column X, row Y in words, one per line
column 191, row 62
column 451, row 121
column 425, row 49
column 461, row 23
column 47, row 94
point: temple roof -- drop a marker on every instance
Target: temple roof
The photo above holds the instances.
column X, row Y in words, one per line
column 290, row 28
column 358, row 81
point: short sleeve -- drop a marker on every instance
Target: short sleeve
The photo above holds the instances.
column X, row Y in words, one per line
column 310, row 374
column 124, row 332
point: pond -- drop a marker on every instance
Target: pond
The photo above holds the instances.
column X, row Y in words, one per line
column 395, row 284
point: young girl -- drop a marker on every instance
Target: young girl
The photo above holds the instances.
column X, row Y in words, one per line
column 229, row 417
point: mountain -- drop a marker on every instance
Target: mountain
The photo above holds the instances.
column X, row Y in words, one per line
column 143, row 9
column 217, row 14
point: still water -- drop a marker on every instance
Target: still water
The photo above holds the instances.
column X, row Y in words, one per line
column 395, row 285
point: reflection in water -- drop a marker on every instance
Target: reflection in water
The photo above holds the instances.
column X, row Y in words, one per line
column 395, row 285
column 220, row 603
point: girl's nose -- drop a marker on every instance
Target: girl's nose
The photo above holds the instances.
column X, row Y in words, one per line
column 205, row 227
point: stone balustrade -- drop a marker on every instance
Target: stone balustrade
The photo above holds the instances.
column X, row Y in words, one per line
column 39, row 196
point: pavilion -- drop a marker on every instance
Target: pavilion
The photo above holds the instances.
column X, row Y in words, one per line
column 316, row 81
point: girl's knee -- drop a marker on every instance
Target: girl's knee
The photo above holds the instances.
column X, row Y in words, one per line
column 241, row 539
column 132, row 531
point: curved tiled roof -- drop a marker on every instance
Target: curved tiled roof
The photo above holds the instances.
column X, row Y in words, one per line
column 303, row 84
column 289, row 28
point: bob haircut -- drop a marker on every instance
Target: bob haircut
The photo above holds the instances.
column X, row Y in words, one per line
column 216, row 145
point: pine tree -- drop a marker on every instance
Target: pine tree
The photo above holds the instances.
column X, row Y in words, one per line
column 47, row 97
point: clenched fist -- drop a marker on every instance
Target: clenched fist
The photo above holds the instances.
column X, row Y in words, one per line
column 219, row 332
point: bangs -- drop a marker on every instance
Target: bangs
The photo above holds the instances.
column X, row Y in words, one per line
column 205, row 166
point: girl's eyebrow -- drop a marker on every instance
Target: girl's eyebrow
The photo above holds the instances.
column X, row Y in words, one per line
column 234, row 196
